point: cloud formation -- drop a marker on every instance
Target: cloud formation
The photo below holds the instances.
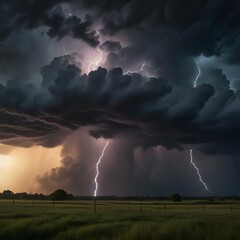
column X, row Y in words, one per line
column 110, row 102
column 142, row 90
column 32, row 14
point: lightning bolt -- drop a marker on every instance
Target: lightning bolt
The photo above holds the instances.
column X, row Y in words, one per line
column 191, row 155
column 141, row 70
column 198, row 75
column 93, row 66
column 198, row 172
column 143, row 64
column 97, row 169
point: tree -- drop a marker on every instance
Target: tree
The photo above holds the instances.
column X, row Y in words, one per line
column 176, row 197
column 59, row 194
column 7, row 194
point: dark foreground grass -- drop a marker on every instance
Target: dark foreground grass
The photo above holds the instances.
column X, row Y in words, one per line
column 118, row 221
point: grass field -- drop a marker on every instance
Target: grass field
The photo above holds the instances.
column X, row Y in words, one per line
column 119, row 220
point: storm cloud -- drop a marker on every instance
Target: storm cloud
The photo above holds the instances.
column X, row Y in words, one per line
column 111, row 102
column 141, row 94
column 33, row 14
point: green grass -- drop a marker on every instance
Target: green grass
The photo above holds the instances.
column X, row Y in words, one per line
column 119, row 220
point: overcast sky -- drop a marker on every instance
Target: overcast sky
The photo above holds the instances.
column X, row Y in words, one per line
column 156, row 79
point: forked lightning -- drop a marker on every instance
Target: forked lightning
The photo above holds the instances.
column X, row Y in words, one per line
column 198, row 172
column 97, row 169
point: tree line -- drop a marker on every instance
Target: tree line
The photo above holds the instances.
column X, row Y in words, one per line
column 61, row 194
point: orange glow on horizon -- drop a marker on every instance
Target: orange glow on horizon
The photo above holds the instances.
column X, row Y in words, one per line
column 20, row 167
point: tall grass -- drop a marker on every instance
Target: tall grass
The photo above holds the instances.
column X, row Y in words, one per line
column 171, row 230
column 118, row 221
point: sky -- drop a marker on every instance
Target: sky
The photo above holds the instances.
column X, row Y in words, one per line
column 158, row 80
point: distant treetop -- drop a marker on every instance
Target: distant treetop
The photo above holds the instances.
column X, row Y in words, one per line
column 59, row 194
column 176, row 197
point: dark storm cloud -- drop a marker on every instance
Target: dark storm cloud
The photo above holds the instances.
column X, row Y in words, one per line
column 4, row 33
column 103, row 6
column 76, row 172
column 129, row 170
column 235, row 84
column 73, row 26
column 216, row 78
column 32, row 14
column 233, row 52
column 164, row 110
column 196, row 27
column 120, row 100
column 25, row 130
column 110, row 102
column 50, row 72
column 160, row 55
column 111, row 46
column 77, row 169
